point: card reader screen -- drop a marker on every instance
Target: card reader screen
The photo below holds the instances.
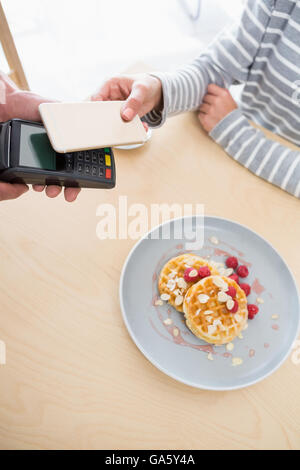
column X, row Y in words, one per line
column 35, row 148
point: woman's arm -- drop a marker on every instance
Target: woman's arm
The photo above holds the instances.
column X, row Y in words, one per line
column 227, row 126
column 227, row 61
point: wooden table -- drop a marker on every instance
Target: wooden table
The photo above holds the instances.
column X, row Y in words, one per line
column 73, row 378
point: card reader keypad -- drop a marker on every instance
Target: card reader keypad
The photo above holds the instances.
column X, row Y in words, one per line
column 95, row 163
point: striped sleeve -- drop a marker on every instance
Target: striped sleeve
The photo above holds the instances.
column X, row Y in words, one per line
column 270, row 160
column 227, row 61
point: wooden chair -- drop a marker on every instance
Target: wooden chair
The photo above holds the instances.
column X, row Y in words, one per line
column 16, row 72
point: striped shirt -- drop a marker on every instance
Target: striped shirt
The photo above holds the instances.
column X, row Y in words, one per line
column 263, row 53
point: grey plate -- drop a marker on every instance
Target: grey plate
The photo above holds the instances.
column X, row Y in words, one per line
column 266, row 343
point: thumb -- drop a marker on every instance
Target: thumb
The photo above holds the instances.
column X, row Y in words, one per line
column 12, row 191
column 134, row 102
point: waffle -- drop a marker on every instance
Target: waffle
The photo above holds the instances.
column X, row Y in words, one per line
column 171, row 281
column 212, row 321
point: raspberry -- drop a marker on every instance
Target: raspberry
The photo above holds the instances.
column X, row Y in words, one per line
column 252, row 311
column 189, row 278
column 204, row 271
column 231, row 291
column 235, row 307
column 235, row 277
column 232, row 262
column 246, row 288
column 242, row 271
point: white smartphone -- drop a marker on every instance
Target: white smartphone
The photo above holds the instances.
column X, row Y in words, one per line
column 72, row 127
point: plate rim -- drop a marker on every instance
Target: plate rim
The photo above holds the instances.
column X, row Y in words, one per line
column 153, row 361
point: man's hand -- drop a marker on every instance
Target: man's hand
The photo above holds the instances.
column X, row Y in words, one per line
column 217, row 104
column 54, row 191
column 142, row 93
column 13, row 191
column 24, row 105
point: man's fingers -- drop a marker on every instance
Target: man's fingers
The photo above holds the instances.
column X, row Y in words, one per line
column 135, row 102
column 53, row 191
column 38, row 188
column 12, row 191
column 71, row 194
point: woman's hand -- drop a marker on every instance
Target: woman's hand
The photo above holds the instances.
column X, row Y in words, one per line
column 142, row 94
column 217, row 104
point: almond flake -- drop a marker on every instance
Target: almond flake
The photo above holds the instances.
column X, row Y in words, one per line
column 178, row 300
column 245, row 327
column 275, row 317
column 208, row 312
column 240, row 336
column 165, row 297
column 191, row 261
column 175, row 332
column 214, row 240
column 222, row 297
column 172, row 274
column 238, row 318
column 211, row 329
column 198, row 312
column 181, row 283
column 230, row 304
column 171, row 285
column 168, row 321
column 217, row 322
column 218, row 281
column 193, row 273
column 187, row 299
column 259, row 300
column 230, row 347
column 176, row 292
column 237, row 361
column 203, row 298
column 159, row 302
column 228, row 272
column 210, row 357
column 209, row 319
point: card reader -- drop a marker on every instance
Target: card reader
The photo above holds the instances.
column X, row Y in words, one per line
column 26, row 156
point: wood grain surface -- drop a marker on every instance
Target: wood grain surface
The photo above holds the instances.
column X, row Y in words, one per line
column 73, row 378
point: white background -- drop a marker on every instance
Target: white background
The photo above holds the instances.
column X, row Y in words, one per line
column 68, row 47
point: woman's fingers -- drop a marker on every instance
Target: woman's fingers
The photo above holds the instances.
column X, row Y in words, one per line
column 205, row 108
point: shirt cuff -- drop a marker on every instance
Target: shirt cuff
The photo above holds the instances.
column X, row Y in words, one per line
column 157, row 118
column 222, row 133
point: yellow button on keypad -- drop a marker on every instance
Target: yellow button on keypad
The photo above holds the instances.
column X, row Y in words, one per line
column 107, row 160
